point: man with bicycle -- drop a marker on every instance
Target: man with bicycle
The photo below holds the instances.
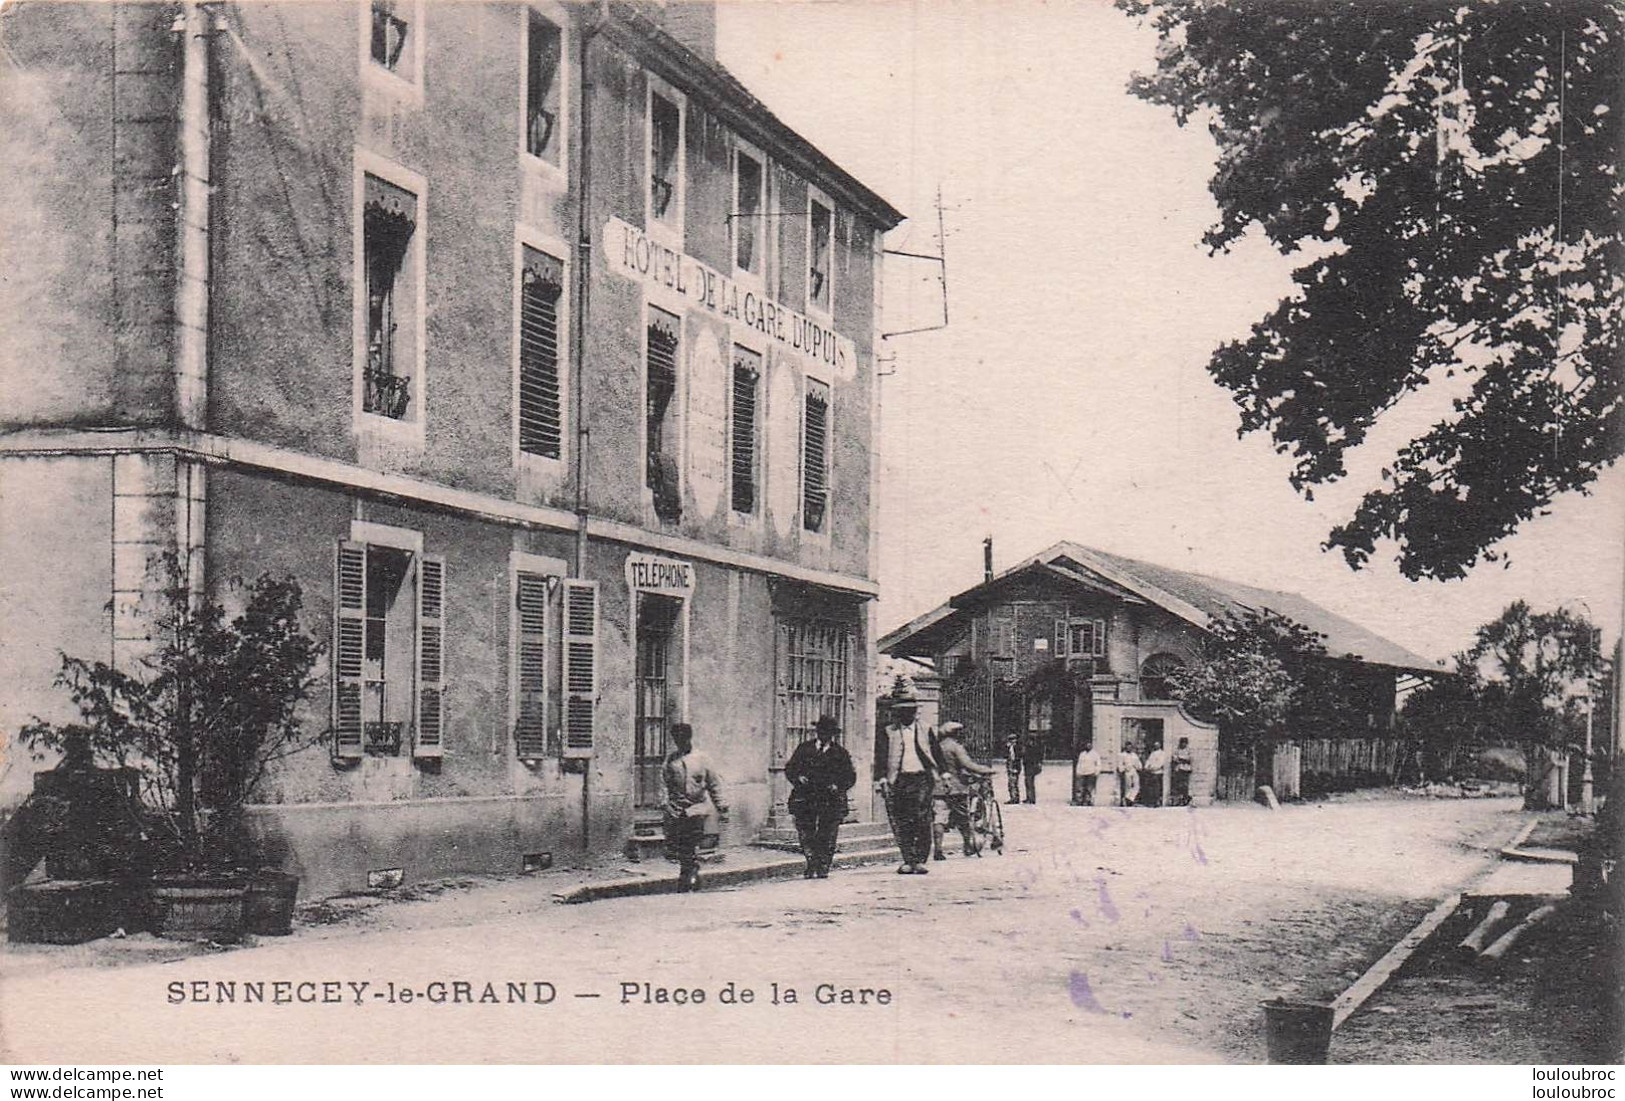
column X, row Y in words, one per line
column 957, row 773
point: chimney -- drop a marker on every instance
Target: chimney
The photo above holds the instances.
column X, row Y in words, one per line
column 987, row 559
column 694, row 24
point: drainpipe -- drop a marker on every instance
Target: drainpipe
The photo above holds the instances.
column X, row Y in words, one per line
column 192, row 222
column 578, row 327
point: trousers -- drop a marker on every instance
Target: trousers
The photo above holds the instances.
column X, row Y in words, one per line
column 911, row 812
column 818, row 826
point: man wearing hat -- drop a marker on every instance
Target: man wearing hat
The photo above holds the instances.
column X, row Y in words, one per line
column 911, row 768
column 820, row 773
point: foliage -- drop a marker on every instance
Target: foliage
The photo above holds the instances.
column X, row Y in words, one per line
column 1256, row 676
column 1449, row 176
column 1536, row 663
column 208, row 710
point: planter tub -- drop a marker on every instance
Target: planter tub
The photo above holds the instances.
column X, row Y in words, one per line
column 268, row 904
column 1298, row 1032
column 66, row 911
column 198, row 909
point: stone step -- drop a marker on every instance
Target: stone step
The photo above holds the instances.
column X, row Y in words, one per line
column 876, row 831
column 859, row 839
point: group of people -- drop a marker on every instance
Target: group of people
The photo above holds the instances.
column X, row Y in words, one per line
column 1124, row 779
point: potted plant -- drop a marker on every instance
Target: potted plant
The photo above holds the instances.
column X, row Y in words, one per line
column 199, row 720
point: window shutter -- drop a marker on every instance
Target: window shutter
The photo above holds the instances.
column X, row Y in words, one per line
column 1060, row 638
column 580, row 666
column 815, row 458
column 530, row 664
column 746, row 375
column 431, row 656
column 540, row 425
column 1100, row 638
column 349, row 646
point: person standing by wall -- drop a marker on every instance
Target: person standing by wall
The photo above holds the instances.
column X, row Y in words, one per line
column 1088, row 776
column 1032, row 762
column 692, row 793
column 958, row 767
column 820, row 774
column 910, row 780
column 1179, row 779
column 1151, row 776
column 1012, row 766
column 1128, row 771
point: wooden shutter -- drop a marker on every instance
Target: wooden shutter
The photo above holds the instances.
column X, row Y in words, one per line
column 431, row 656
column 540, row 422
column 1100, row 638
column 815, row 458
column 530, row 665
column 580, row 666
column 349, row 647
column 1060, row 638
column 746, row 375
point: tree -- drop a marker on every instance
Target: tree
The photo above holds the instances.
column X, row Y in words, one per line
column 1254, row 677
column 1449, row 176
column 204, row 715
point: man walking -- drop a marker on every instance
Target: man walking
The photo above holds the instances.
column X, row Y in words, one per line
column 820, row 774
column 910, row 778
column 693, row 792
column 1032, row 763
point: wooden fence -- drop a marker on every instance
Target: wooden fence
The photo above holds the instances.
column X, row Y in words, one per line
column 1316, row 766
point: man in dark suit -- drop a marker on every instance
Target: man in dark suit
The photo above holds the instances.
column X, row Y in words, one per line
column 820, row 773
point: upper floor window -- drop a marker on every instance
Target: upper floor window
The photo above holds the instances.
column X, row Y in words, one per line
column 665, row 160
column 750, row 187
column 541, row 286
column 747, row 376
column 395, row 32
column 544, row 56
column 820, row 254
column 391, row 271
column 661, row 444
column 815, row 489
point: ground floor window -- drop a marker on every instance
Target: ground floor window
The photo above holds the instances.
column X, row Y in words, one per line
column 658, row 660
column 817, row 657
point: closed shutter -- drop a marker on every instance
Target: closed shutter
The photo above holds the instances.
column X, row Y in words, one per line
column 815, row 458
column 580, row 666
column 541, row 286
column 349, row 646
column 1060, row 638
column 1100, row 638
column 747, row 373
column 530, row 665
column 431, row 657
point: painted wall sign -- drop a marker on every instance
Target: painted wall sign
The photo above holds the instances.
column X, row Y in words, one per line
column 631, row 253
column 650, row 573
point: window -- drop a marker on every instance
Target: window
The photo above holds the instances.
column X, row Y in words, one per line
column 544, row 54
column 1040, row 715
column 750, row 239
column 390, row 268
column 389, row 654
column 394, row 38
column 815, row 457
column 530, row 733
column 541, row 280
column 820, row 251
column 1088, row 638
column 665, row 162
column 747, row 376
column 1154, row 676
column 660, row 429
column 815, row 658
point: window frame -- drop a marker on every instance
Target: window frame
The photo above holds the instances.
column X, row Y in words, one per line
column 403, row 429
column 822, row 532
column 380, row 76
column 753, row 518
column 556, row 15
column 757, row 279
column 526, row 236
column 813, row 309
column 670, row 234
column 555, row 569
column 676, row 409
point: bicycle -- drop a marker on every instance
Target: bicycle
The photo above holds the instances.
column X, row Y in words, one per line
column 987, row 820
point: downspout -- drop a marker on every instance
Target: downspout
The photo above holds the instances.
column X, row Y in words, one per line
column 193, row 282
column 578, row 330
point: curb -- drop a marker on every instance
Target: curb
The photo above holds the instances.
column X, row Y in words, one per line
column 788, row 868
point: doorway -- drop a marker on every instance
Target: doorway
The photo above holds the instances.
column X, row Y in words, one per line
column 657, row 618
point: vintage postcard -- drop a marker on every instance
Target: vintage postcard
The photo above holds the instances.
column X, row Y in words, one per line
column 944, row 531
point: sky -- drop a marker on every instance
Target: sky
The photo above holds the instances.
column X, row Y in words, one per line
column 1068, row 398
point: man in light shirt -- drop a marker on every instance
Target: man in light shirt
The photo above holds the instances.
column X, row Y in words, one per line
column 1151, row 773
column 910, row 781
column 1088, row 775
